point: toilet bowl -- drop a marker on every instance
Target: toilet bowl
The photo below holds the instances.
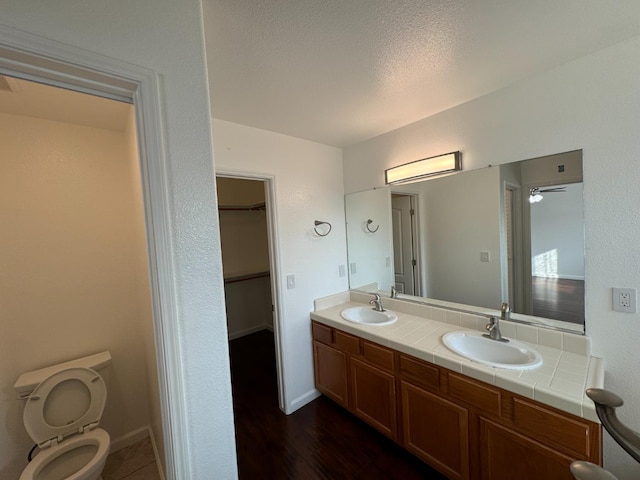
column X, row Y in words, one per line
column 80, row 457
column 63, row 408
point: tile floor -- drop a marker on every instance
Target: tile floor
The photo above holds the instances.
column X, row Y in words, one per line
column 135, row 462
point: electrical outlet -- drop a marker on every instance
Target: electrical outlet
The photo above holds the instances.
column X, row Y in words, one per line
column 624, row 300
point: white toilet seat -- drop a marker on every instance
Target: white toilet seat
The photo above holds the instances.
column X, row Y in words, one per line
column 97, row 438
column 68, row 402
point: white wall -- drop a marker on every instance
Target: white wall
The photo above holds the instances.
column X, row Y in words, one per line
column 592, row 103
column 452, row 267
column 370, row 254
column 167, row 37
column 308, row 187
column 557, row 231
column 74, row 277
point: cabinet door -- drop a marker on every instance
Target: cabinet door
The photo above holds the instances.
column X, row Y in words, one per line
column 436, row 430
column 505, row 455
column 374, row 397
column 331, row 373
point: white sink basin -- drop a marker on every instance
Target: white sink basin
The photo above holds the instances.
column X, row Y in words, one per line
column 512, row 354
column 368, row 316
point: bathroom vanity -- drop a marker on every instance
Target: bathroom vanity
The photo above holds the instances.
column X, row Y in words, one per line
column 466, row 420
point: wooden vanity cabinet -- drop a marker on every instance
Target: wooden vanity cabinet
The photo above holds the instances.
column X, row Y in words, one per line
column 331, row 373
column 358, row 375
column 373, row 387
column 330, row 351
column 435, row 430
column 464, row 428
column 506, row 454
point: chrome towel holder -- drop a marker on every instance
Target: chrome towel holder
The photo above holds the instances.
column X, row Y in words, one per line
column 369, row 222
column 320, row 222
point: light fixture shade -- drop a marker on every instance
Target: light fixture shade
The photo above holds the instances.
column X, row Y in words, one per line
column 427, row 167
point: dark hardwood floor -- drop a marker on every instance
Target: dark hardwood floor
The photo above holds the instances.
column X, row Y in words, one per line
column 319, row 441
column 558, row 298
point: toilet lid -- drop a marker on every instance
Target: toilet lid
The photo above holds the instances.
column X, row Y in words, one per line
column 69, row 401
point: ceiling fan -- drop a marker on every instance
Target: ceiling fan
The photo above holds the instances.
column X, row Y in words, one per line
column 535, row 193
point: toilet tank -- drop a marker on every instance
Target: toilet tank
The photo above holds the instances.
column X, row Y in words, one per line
column 100, row 362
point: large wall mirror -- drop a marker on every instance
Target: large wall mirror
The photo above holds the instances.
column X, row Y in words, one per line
column 513, row 232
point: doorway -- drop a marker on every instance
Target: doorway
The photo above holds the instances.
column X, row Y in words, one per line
column 248, row 259
column 405, row 243
column 246, row 213
column 75, row 261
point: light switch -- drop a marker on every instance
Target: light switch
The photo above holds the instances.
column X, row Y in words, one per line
column 352, row 268
column 342, row 270
column 291, row 282
column 484, row 256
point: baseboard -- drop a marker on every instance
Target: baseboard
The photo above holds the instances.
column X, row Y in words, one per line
column 301, row 401
column 156, row 454
column 561, row 277
column 130, row 438
column 249, row 331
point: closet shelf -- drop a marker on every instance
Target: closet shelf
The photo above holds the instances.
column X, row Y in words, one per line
column 254, row 207
column 248, row 276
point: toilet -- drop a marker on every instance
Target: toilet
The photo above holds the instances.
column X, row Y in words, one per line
column 62, row 411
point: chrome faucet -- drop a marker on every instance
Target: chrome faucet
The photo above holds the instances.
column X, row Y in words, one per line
column 505, row 312
column 377, row 303
column 394, row 292
column 493, row 327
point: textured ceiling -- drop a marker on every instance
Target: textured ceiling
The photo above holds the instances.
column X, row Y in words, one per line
column 341, row 71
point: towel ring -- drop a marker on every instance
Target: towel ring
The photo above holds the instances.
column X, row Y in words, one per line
column 319, row 222
column 369, row 222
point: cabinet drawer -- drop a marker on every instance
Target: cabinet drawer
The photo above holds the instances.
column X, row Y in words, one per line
column 322, row 333
column 346, row 343
column 482, row 396
column 340, row 340
column 419, row 372
column 377, row 355
column 567, row 434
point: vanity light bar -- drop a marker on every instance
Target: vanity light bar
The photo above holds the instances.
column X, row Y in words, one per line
column 427, row 167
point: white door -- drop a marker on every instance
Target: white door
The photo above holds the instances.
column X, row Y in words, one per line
column 403, row 258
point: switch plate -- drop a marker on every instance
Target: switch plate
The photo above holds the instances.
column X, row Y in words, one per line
column 484, row 256
column 342, row 270
column 624, row 300
column 291, row 282
column 352, row 268
column 388, row 261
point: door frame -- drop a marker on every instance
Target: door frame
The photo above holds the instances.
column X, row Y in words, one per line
column 46, row 61
column 274, row 262
column 414, row 199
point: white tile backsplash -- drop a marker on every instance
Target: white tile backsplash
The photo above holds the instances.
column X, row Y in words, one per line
column 580, row 344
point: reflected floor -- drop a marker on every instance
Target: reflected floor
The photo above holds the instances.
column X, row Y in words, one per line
column 558, row 298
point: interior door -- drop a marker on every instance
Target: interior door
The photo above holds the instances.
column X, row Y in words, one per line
column 403, row 258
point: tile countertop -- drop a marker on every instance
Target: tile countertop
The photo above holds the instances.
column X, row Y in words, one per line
column 560, row 382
